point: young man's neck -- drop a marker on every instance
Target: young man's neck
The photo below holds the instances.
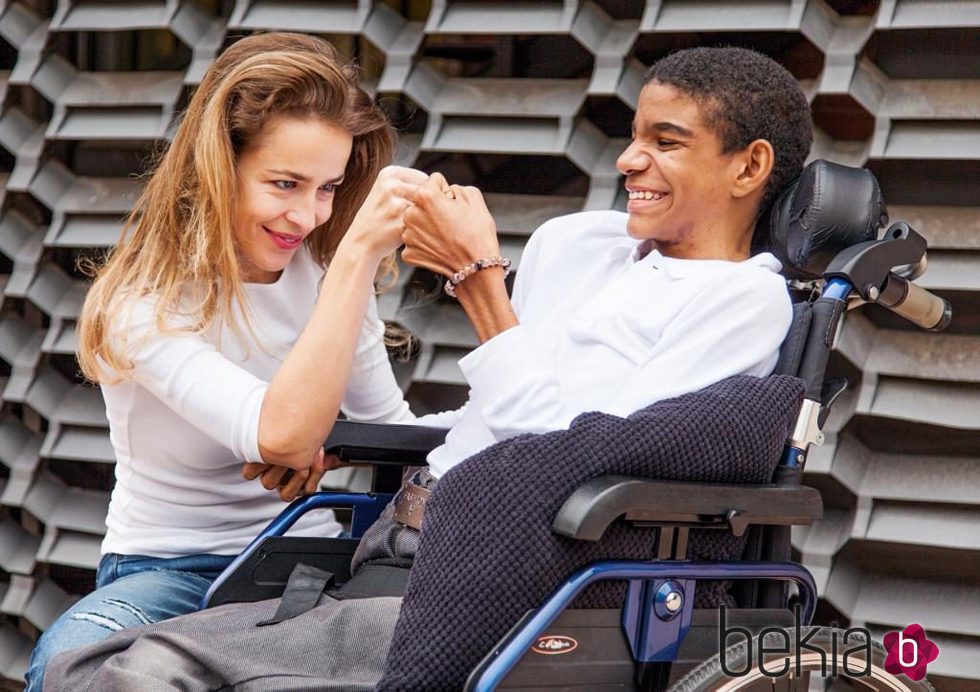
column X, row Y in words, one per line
column 729, row 245
column 730, row 241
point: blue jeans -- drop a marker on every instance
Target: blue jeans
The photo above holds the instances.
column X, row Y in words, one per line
column 131, row 590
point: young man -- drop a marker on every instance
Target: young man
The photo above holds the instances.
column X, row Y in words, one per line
column 611, row 312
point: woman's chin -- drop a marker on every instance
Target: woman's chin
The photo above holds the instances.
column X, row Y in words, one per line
column 265, row 273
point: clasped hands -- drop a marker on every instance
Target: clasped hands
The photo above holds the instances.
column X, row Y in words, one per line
column 292, row 483
column 443, row 228
column 447, row 227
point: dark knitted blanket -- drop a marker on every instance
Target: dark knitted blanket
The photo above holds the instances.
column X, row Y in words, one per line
column 490, row 518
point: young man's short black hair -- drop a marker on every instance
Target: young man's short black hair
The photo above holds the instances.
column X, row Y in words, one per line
column 744, row 96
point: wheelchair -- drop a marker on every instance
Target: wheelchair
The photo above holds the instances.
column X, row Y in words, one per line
column 824, row 228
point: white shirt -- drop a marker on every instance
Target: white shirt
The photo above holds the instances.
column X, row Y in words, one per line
column 183, row 426
column 602, row 329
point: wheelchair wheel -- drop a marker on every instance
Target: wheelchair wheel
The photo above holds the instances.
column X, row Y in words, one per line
column 816, row 667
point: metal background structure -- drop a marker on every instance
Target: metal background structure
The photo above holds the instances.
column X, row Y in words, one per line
column 531, row 101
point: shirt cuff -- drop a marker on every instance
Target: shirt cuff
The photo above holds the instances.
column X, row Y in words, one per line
column 497, row 366
column 252, row 406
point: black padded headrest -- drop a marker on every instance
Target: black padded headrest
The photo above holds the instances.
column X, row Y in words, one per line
column 828, row 208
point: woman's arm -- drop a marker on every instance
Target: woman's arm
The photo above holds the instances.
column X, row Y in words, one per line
column 304, row 396
column 283, row 421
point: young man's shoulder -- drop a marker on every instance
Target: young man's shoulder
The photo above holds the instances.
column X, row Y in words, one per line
column 603, row 223
column 582, row 233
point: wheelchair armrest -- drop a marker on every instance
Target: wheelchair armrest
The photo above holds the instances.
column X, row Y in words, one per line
column 594, row 506
column 385, row 443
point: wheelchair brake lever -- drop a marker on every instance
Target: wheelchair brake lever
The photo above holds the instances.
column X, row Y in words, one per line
column 829, row 393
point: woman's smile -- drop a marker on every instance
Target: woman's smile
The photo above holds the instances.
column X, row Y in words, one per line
column 284, row 241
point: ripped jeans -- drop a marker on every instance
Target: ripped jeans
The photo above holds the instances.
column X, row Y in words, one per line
column 131, row 590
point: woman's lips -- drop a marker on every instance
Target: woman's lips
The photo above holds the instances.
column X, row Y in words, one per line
column 282, row 241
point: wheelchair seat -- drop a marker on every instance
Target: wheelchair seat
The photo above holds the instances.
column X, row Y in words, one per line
column 825, row 229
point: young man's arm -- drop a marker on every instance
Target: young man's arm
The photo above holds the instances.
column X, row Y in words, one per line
column 449, row 227
column 485, row 301
column 732, row 328
column 736, row 329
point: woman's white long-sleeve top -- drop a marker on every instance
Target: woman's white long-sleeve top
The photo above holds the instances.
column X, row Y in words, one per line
column 185, row 423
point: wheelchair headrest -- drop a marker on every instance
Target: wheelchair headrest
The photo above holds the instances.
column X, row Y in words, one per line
column 828, row 208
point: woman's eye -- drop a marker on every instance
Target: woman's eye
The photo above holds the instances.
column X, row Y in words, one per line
column 329, row 187
column 284, row 184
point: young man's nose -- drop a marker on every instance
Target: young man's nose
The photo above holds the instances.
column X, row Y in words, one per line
column 631, row 160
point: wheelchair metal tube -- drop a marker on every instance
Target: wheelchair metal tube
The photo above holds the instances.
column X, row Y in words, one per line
column 827, row 312
column 508, row 655
column 367, row 508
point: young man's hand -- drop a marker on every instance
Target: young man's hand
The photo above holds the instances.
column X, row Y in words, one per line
column 447, row 227
column 292, row 483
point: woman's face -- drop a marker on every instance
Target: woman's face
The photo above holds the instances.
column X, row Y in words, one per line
column 286, row 179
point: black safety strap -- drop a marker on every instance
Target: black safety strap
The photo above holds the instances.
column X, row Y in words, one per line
column 381, row 578
column 303, row 590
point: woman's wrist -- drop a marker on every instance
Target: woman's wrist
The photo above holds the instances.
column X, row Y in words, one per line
column 351, row 266
column 359, row 250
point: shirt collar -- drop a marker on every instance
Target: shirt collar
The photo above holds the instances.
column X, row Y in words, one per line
column 685, row 268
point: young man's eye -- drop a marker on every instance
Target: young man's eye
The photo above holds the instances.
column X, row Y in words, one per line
column 285, row 184
column 666, row 142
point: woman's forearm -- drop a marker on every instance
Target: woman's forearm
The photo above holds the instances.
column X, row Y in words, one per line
column 302, row 401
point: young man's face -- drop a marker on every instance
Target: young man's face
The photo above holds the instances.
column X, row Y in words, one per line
column 679, row 181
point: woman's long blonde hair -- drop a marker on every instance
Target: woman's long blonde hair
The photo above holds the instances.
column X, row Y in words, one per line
column 180, row 231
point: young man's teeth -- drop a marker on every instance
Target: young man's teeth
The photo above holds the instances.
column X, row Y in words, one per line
column 645, row 194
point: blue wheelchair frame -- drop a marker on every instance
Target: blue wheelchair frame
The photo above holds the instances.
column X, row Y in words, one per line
column 653, row 631
column 657, row 614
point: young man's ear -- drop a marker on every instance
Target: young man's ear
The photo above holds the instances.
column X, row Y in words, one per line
column 755, row 163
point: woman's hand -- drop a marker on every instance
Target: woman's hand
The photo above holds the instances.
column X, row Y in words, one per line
column 292, row 483
column 448, row 227
column 378, row 226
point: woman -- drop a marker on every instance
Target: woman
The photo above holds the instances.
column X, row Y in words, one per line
column 219, row 336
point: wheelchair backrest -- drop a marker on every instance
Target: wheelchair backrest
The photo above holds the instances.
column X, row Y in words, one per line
column 826, row 226
column 828, row 209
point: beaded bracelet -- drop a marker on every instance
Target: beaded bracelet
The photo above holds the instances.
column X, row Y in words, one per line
column 470, row 269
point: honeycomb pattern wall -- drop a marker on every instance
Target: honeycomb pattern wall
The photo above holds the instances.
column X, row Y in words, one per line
column 531, row 101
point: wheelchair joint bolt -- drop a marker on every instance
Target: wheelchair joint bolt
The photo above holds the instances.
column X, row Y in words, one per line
column 669, row 600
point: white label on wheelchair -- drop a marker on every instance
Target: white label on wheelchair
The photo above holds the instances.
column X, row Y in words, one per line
column 550, row 645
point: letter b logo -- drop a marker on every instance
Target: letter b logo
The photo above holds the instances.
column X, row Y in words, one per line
column 909, row 652
column 905, row 643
